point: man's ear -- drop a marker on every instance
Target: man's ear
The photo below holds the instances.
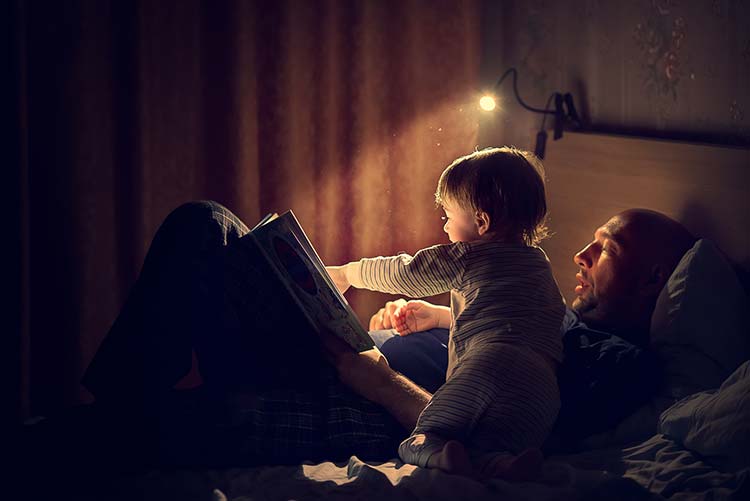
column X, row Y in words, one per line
column 655, row 280
column 483, row 222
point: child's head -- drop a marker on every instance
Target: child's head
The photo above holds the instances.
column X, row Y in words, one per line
column 498, row 190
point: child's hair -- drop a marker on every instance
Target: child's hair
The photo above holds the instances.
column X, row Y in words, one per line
column 506, row 183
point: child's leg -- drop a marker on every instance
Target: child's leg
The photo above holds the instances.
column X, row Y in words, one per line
column 522, row 413
column 497, row 398
column 525, row 466
column 452, row 413
column 455, row 409
column 453, row 458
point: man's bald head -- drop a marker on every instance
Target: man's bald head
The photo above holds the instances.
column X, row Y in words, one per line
column 623, row 269
column 657, row 238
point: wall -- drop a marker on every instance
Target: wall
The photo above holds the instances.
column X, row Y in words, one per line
column 660, row 68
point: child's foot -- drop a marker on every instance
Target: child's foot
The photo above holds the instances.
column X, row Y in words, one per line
column 452, row 459
column 525, row 467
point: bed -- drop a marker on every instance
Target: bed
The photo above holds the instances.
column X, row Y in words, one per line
column 689, row 443
column 657, row 468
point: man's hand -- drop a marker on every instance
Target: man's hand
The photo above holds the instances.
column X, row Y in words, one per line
column 338, row 275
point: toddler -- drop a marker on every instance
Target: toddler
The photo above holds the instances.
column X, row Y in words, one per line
column 500, row 398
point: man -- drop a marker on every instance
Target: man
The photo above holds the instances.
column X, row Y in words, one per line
column 608, row 372
column 268, row 396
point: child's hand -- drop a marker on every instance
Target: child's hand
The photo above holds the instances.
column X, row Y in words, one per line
column 383, row 319
column 338, row 275
column 414, row 316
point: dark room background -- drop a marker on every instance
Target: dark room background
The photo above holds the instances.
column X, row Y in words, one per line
column 345, row 111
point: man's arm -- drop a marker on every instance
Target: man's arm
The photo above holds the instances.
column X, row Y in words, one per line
column 402, row 398
column 369, row 374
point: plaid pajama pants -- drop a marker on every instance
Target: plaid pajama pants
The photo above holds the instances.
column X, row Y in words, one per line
column 274, row 399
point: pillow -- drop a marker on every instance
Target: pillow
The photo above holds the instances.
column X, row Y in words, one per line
column 715, row 423
column 698, row 328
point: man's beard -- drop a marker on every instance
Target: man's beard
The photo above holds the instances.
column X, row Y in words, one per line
column 592, row 312
column 598, row 312
column 583, row 305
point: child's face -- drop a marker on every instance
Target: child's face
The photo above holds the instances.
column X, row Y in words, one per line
column 460, row 224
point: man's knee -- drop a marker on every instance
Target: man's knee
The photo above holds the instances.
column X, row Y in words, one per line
column 197, row 227
column 194, row 212
column 205, row 217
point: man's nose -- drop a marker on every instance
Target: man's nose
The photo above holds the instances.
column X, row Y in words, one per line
column 583, row 257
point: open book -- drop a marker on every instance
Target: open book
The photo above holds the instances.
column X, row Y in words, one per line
column 284, row 245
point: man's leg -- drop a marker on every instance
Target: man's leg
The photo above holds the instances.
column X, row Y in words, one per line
column 422, row 356
column 187, row 296
column 251, row 335
column 149, row 346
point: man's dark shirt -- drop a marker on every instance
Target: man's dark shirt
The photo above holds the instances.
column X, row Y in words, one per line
column 602, row 380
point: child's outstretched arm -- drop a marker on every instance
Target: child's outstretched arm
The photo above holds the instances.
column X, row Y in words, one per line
column 429, row 272
column 339, row 277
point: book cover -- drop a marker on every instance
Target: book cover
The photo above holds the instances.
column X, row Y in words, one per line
column 284, row 244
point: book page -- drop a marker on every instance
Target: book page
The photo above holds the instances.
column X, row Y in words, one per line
column 289, row 251
column 312, row 255
column 267, row 218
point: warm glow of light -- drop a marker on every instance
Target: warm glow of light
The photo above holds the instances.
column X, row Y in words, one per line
column 487, row 103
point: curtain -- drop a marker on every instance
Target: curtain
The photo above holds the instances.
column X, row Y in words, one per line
column 344, row 111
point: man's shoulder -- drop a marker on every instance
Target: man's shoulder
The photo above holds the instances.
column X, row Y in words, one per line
column 575, row 332
column 595, row 352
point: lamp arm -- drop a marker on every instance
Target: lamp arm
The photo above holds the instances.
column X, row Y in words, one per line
column 514, row 72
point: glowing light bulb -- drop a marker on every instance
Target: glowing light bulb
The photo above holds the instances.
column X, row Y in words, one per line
column 487, row 103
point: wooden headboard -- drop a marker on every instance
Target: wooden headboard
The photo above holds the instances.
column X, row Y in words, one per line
column 591, row 177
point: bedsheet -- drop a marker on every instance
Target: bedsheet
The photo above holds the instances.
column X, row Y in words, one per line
column 355, row 479
column 658, row 468
column 667, row 469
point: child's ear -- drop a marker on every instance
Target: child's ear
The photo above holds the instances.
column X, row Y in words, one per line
column 483, row 222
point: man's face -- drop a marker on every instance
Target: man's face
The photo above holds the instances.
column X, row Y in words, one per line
column 607, row 272
column 460, row 225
